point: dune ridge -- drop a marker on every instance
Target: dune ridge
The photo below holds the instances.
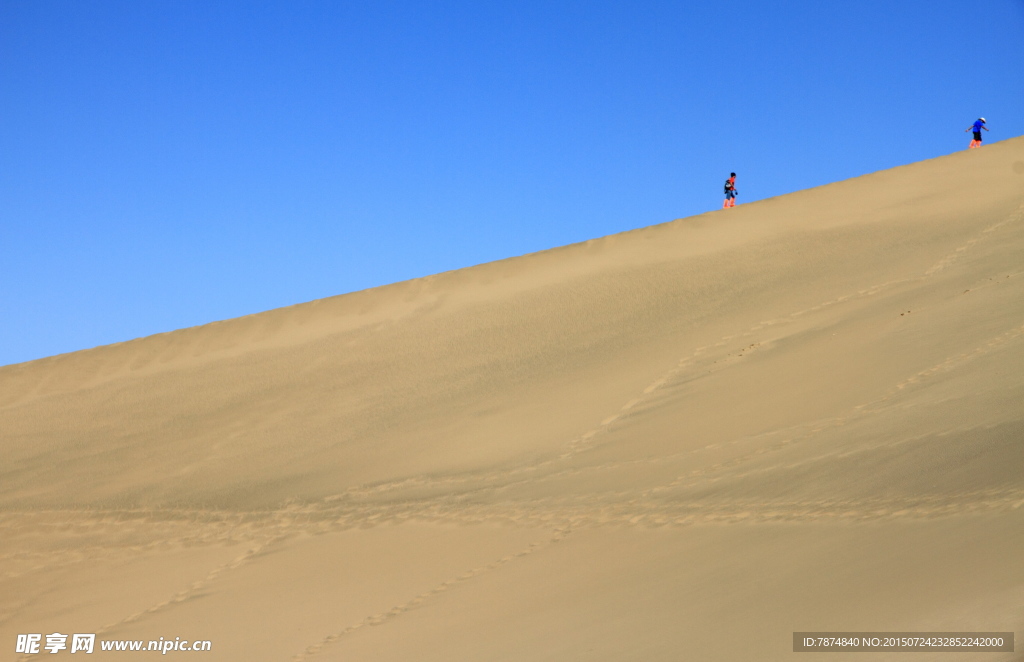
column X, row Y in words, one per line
column 684, row 441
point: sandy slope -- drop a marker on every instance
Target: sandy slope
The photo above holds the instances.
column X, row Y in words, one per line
column 682, row 442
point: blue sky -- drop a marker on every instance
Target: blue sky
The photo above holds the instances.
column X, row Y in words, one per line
column 169, row 163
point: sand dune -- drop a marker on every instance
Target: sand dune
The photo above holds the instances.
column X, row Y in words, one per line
column 682, row 442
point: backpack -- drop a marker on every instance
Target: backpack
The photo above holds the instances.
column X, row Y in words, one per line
column 728, row 186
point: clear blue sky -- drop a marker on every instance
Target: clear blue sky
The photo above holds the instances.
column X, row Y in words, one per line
column 169, row 163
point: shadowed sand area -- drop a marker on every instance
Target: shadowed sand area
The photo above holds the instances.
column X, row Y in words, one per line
column 681, row 442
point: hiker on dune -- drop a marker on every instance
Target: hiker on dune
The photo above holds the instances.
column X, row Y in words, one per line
column 978, row 125
column 730, row 191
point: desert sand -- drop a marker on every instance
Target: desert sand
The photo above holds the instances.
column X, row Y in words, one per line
column 683, row 442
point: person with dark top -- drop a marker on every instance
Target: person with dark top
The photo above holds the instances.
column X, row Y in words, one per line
column 730, row 191
column 978, row 125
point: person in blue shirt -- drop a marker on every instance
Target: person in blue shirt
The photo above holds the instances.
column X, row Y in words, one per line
column 978, row 125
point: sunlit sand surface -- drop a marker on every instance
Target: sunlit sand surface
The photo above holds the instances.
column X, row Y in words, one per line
column 684, row 442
